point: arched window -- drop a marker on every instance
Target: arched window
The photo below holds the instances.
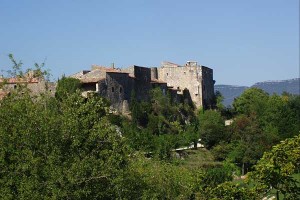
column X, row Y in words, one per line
column 112, row 89
column 121, row 89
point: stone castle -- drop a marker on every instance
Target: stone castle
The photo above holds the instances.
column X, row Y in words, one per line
column 191, row 82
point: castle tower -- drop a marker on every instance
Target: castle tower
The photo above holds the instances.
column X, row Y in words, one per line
column 198, row 80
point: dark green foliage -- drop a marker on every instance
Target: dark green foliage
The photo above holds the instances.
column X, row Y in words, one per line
column 58, row 150
column 66, row 86
column 212, row 128
column 262, row 121
column 221, row 151
column 218, row 101
column 230, row 190
column 274, row 114
column 160, row 125
column 217, row 175
column 152, row 179
column 275, row 169
column 252, row 101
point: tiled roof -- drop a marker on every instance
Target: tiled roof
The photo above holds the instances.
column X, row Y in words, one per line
column 93, row 76
column 97, row 74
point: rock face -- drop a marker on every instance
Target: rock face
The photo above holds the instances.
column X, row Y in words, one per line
column 191, row 82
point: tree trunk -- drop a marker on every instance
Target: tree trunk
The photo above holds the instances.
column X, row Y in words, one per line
column 243, row 169
column 195, row 145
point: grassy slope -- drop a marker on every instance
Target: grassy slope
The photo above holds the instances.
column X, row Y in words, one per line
column 200, row 158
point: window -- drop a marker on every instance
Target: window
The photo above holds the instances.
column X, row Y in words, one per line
column 121, row 89
column 15, row 86
column 112, row 89
column 167, row 74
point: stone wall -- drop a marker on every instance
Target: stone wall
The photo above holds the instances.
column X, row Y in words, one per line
column 198, row 80
column 119, row 87
column 207, row 86
column 181, row 78
column 142, row 85
column 154, row 73
column 35, row 88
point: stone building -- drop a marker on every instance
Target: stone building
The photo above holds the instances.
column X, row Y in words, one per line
column 194, row 78
column 118, row 85
column 35, row 85
column 190, row 82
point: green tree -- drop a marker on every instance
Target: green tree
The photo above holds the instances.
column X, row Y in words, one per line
column 66, row 86
column 52, row 149
column 212, row 128
column 275, row 168
column 219, row 98
column 249, row 142
column 153, row 179
column 231, row 190
column 251, row 101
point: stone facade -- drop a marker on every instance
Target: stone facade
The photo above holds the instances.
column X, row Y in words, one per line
column 191, row 82
column 197, row 79
column 119, row 87
column 36, row 86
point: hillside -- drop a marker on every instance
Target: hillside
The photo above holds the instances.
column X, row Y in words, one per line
column 290, row 86
column 231, row 91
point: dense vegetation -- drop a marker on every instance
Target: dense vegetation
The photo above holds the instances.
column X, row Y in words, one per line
column 71, row 147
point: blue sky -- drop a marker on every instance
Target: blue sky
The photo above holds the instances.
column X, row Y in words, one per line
column 243, row 41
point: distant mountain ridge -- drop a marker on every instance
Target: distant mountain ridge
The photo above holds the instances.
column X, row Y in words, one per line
column 277, row 86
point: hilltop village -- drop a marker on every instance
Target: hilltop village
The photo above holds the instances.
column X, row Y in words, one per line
column 190, row 82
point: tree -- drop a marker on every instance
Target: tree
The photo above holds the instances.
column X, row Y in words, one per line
column 219, row 98
column 275, row 168
column 248, row 141
column 153, row 179
column 212, row 128
column 18, row 71
column 251, row 101
column 230, row 190
column 66, row 86
column 52, row 149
